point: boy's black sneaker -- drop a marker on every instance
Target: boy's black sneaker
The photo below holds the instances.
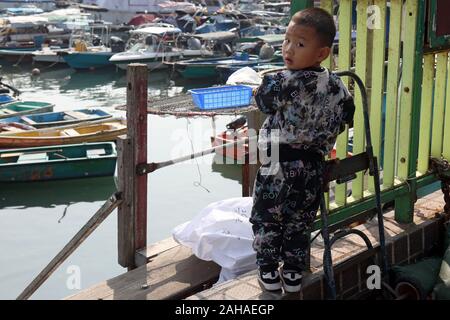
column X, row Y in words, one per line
column 270, row 280
column 292, row 280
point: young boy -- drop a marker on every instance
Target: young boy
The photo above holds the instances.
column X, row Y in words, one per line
column 308, row 106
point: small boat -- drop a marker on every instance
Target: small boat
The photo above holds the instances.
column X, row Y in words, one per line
column 46, row 5
column 206, row 68
column 6, row 98
column 238, row 152
column 218, row 23
column 237, row 130
column 52, row 119
column 93, row 59
column 21, row 11
column 20, row 108
column 95, row 131
column 18, row 54
column 80, row 41
column 149, row 45
column 84, row 57
column 21, row 35
column 48, row 55
column 58, row 162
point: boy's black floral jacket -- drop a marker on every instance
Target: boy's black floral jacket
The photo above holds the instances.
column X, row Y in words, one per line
column 309, row 107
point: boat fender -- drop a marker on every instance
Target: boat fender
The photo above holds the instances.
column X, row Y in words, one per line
column 35, row 72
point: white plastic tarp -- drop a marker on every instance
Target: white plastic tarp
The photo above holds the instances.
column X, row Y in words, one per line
column 222, row 233
column 246, row 76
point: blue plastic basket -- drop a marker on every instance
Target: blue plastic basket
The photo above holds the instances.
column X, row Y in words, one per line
column 222, row 97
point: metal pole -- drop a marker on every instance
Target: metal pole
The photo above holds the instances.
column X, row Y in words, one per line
column 72, row 245
column 148, row 168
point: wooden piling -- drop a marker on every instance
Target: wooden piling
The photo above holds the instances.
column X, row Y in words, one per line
column 132, row 215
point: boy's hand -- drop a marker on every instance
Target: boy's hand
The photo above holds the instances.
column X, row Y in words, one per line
column 254, row 90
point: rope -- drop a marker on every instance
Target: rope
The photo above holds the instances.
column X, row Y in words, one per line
column 50, row 66
column 199, row 182
column 19, row 61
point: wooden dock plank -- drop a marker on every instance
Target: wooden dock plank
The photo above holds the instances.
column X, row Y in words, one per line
column 173, row 274
column 143, row 256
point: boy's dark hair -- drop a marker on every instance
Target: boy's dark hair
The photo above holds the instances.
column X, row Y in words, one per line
column 320, row 20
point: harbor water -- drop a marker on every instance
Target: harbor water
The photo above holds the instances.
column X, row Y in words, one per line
column 38, row 219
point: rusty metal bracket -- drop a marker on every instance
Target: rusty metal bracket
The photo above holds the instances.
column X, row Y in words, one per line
column 442, row 168
column 145, row 168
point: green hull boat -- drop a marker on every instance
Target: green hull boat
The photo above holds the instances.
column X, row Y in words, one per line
column 58, row 162
column 206, row 68
column 20, row 108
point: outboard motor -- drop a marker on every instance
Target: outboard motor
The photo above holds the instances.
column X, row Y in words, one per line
column 194, row 44
column 117, row 44
column 266, row 52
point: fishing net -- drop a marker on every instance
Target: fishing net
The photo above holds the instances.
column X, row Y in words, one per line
column 183, row 106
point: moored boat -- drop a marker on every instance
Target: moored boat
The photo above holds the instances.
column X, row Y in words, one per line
column 149, row 45
column 237, row 152
column 48, row 55
column 20, row 108
column 52, row 119
column 87, row 60
column 58, row 162
column 93, row 131
column 85, row 57
column 6, row 98
column 240, row 152
column 204, row 68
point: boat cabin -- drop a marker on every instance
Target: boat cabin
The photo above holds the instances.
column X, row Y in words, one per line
column 152, row 36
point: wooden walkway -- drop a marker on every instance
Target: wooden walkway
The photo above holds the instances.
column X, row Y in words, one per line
column 174, row 273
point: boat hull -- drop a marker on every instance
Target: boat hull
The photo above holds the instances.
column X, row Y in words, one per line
column 54, row 119
column 99, row 132
column 207, row 68
column 17, row 56
column 88, row 60
column 44, row 5
column 236, row 153
column 151, row 65
column 6, row 98
column 239, row 153
column 43, row 168
column 48, row 58
column 21, row 108
column 153, row 60
column 196, row 72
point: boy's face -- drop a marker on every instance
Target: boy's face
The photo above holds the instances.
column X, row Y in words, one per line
column 302, row 48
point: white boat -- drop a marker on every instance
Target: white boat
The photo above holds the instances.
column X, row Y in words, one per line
column 46, row 5
column 48, row 55
column 30, row 32
column 155, row 44
column 120, row 11
column 55, row 54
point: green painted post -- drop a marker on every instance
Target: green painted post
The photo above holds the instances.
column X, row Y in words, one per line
column 297, row 5
column 404, row 206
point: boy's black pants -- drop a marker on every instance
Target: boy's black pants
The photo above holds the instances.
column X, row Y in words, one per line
column 285, row 205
